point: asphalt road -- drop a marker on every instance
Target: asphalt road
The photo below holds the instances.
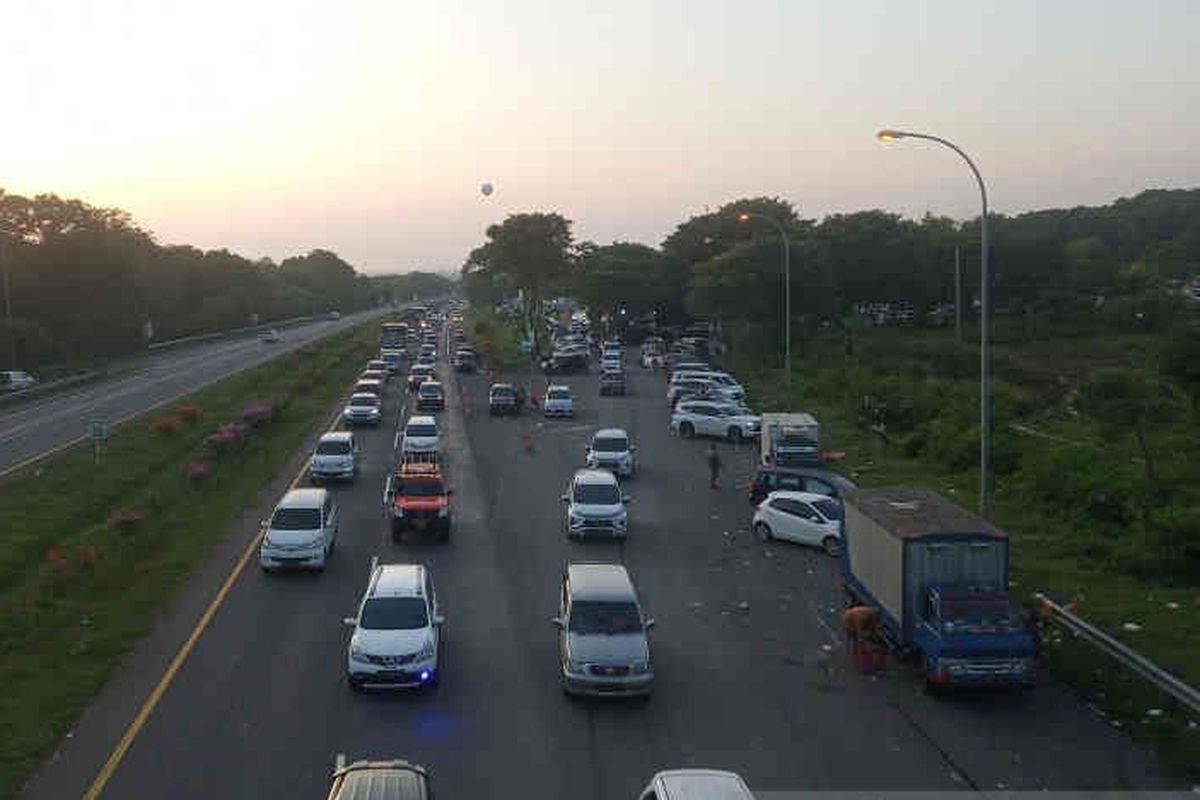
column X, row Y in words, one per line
column 750, row 674
column 30, row 430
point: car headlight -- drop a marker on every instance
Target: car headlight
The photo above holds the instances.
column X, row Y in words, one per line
column 426, row 650
column 315, row 543
column 357, row 653
column 575, row 666
column 621, row 520
column 639, row 667
column 576, row 521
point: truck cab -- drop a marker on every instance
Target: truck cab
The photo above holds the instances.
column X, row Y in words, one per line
column 970, row 636
column 417, row 498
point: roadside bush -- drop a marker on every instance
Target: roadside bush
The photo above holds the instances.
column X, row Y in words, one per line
column 167, row 425
column 188, row 413
column 197, row 472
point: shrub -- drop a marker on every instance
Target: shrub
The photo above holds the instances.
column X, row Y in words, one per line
column 188, row 413
column 197, row 471
column 258, row 414
column 167, row 425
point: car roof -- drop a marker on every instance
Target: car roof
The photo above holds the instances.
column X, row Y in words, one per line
column 595, row 477
column 364, row 396
column 303, row 498
column 421, row 419
column 421, row 368
column 592, row 581
column 369, row 382
column 558, row 387
column 702, row 784
column 337, row 436
column 370, row 780
column 397, row 580
column 840, row 481
column 431, row 385
column 610, row 433
column 805, row 497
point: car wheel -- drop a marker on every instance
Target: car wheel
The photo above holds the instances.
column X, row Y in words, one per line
column 687, row 430
column 832, row 546
column 764, row 531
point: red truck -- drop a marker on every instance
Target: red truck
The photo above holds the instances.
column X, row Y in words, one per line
column 418, row 499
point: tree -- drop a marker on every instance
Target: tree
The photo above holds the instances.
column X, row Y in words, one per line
column 1181, row 361
column 1124, row 403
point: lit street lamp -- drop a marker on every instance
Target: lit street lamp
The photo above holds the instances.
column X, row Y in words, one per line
column 787, row 294
column 984, row 398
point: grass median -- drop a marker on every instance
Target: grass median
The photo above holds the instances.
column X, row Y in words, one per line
column 90, row 550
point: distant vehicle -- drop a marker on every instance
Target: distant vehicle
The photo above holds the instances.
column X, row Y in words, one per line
column 335, row 315
column 685, row 784
column 812, row 519
column 333, row 458
column 937, row 577
column 814, row 480
column 603, row 639
column 368, row 386
column 612, row 381
column 427, row 359
column 301, row 532
column 503, row 399
column 566, row 362
column 417, row 497
column 595, row 505
column 707, row 418
column 398, row 631
column 465, row 360
column 420, row 436
column 380, row 375
column 14, row 380
column 723, row 381
column 431, row 396
column 558, row 402
column 701, row 387
column 394, row 780
column 419, row 374
column 363, row 409
column 790, row 440
column 393, row 335
column 392, row 359
column 611, row 449
column 272, row 337
column 377, row 365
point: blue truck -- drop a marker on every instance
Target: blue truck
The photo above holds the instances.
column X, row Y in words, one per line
column 937, row 577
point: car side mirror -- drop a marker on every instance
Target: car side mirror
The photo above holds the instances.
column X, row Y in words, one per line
column 626, row 499
column 558, row 622
column 650, row 623
column 439, row 621
column 349, row 621
column 566, row 498
column 632, row 448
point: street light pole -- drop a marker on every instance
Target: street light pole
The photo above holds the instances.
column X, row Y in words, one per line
column 985, row 404
column 787, row 295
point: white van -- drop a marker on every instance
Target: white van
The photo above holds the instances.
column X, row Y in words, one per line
column 691, row 784
column 421, row 436
column 301, row 532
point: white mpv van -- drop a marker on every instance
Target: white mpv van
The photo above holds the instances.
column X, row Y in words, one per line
column 301, row 532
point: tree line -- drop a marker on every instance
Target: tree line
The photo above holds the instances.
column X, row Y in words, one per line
column 82, row 282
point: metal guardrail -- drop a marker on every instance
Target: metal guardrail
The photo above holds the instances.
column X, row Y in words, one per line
column 205, row 337
column 1127, row 657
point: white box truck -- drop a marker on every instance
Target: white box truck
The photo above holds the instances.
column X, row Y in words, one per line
column 790, row 440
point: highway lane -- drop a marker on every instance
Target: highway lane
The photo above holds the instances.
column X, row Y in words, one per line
column 750, row 674
column 30, row 430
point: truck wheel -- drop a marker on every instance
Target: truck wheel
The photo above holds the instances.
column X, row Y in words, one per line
column 832, row 546
column 687, row 430
column 764, row 531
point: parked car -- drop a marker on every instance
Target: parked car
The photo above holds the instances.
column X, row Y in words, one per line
column 421, row 437
column 812, row 519
column 603, row 639
column 611, row 449
column 12, row 380
column 706, row 418
column 398, row 630
column 394, row 780
column 813, row 480
column 595, row 506
column 417, row 497
column 558, row 402
column 503, row 399
column 301, row 532
column 702, row 387
column 333, row 458
column 363, row 409
column 685, row 784
column 431, row 396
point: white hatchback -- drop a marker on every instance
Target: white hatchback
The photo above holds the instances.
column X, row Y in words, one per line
column 558, row 402
column 301, row 533
column 802, row 517
column 398, row 630
column 421, row 436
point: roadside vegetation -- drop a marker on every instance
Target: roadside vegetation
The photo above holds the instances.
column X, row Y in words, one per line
column 90, row 550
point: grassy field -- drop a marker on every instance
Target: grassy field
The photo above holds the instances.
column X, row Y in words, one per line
column 1062, row 490
column 89, row 551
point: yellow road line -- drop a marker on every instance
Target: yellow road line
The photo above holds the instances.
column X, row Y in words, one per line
column 151, row 702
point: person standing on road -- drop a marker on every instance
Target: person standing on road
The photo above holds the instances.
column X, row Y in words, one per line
column 714, row 466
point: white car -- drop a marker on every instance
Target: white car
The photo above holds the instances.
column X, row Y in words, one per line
column 595, row 505
column 12, row 380
column 272, row 336
column 333, row 458
column 610, row 449
column 398, row 630
column 728, row 385
column 802, row 517
column 364, row 408
column 708, row 418
column 421, row 436
column 558, row 402
column 301, row 533
column 702, row 387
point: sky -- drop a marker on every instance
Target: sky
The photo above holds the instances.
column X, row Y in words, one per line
column 367, row 128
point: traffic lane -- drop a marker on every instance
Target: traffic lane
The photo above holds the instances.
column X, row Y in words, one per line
column 780, row 604
column 28, row 431
column 719, row 699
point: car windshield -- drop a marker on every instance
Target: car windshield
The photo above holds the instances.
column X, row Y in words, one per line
column 415, row 488
column 610, row 444
column 334, row 448
column 360, row 401
column 831, row 508
column 604, row 617
column 394, row 614
column 598, row 494
column 558, row 394
column 431, row 390
column 419, row 429
column 503, row 392
column 979, row 613
column 296, row 519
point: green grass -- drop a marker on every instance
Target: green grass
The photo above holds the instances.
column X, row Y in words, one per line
column 78, row 587
column 1056, row 548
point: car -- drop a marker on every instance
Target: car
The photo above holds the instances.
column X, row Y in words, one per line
column 804, row 517
column 503, row 399
column 813, row 480
column 603, row 635
column 301, row 533
column 14, row 379
column 558, row 402
column 431, row 396
column 417, row 497
column 565, row 362
column 707, row 418
column 392, row 360
column 611, row 449
column 701, row 387
column 612, row 382
column 377, row 365
column 272, row 337
column 334, row 458
column 363, row 408
column 394, row 780
column 428, row 359
column 419, row 374
column 683, row 784
column 725, row 383
column 374, row 375
column 595, row 506
column 398, row 630
column 420, row 437
column 365, row 386
column 465, row 360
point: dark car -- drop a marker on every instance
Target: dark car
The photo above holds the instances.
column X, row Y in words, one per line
column 504, row 399
column 800, row 479
column 566, row 363
column 612, row 382
column 431, row 396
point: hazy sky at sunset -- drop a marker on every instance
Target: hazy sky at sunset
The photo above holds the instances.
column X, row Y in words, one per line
column 272, row 128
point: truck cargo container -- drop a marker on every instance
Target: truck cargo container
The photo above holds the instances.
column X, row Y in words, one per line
column 790, row 440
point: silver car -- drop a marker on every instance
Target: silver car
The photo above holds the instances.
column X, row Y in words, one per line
column 603, row 636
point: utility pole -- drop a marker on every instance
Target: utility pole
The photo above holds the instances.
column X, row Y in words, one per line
column 8, row 326
column 958, row 295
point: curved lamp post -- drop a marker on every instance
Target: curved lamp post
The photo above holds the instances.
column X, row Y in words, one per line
column 984, row 398
column 787, row 293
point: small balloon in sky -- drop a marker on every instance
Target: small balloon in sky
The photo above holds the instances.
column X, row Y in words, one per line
column 486, row 189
